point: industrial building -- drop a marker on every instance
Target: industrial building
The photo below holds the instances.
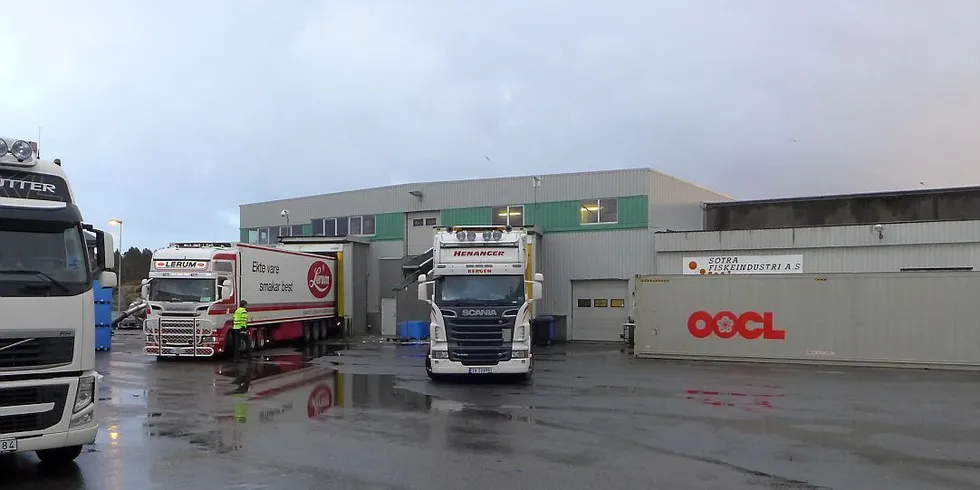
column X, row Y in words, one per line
column 904, row 231
column 598, row 231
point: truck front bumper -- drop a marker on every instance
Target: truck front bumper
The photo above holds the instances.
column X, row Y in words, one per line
column 513, row 366
column 72, row 428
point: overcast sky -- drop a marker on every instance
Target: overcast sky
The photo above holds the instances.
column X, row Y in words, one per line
column 168, row 115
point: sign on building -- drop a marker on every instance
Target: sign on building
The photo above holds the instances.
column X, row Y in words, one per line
column 744, row 264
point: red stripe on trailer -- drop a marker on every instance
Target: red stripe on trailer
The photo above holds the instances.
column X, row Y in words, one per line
column 252, row 308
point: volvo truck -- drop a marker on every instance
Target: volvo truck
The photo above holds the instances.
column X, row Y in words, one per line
column 481, row 291
column 193, row 290
column 48, row 382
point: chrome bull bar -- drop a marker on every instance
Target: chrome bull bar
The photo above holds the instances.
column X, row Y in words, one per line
column 171, row 336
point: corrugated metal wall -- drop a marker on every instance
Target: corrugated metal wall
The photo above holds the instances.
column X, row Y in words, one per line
column 676, row 204
column 591, row 255
column 836, row 248
column 455, row 194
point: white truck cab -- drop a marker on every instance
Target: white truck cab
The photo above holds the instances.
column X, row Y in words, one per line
column 481, row 289
column 48, row 383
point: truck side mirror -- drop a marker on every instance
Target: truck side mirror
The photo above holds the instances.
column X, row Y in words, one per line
column 535, row 290
column 423, row 291
column 105, row 254
column 145, row 289
column 538, row 277
column 227, row 290
column 107, row 279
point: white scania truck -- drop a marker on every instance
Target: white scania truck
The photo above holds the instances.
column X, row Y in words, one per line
column 48, row 383
column 482, row 290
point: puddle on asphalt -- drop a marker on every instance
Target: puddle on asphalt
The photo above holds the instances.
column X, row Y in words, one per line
column 258, row 397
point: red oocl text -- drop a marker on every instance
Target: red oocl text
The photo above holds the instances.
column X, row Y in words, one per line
column 749, row 325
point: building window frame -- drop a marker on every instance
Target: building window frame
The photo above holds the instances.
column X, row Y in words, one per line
column 285, row 230
column 259, row 239
column 508, row 215
column 599, row 211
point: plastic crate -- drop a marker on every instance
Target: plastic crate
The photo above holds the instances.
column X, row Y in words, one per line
column 102, row 295
column 103, row 314
column 413, row 330
column 103, row 338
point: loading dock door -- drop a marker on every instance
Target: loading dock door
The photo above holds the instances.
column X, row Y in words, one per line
column 599, row 310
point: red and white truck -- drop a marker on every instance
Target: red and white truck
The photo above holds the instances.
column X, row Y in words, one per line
column 193, row 290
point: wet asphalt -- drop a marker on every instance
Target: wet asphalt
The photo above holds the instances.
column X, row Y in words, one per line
column 364, row 416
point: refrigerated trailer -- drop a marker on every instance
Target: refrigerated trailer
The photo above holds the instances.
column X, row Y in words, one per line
column 193, row 290
column 901, row 319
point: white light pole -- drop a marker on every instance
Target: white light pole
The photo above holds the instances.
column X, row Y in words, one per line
column 119, row 223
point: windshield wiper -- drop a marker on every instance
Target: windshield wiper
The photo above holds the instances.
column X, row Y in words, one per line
column 39, row 274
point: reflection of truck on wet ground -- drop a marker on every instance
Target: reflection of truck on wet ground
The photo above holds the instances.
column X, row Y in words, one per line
column 481, row 287
column 193, row 290
column 48, row 382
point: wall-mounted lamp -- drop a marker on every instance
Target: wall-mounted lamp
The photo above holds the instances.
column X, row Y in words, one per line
column 880, row 229
column 417, row 194
column 285, row 215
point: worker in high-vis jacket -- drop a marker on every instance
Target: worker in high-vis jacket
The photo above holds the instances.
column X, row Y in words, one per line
column 238, row 330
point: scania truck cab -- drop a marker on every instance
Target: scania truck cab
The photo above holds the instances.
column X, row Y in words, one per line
column 481, row 289
column 48, row 382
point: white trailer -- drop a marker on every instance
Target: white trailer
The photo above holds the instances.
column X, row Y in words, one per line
column 481, row 291
column 916, row 319
column 194, row 289
column 48, row 382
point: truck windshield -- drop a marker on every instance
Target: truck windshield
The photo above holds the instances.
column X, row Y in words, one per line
column 496, row 290
column 42, row 258
column 178, row 290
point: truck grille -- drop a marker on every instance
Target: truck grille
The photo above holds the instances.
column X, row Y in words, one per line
column 36, row 351
column 181, row 331
column 13, row 397
column 479, row 342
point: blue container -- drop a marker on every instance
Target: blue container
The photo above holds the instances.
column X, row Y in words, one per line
column 103, row 338
column 102, row 295
column 103, row 314
column 413, row 330
column 543, row 330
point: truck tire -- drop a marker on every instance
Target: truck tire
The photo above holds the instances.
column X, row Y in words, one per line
column 59, row 456
column 428, row 371
column 307, row 333
column 324, row 330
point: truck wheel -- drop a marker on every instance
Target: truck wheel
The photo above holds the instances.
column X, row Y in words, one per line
column 260, row 339
column 307, row 333
column 428, row 371
column 324, row 330
column 59, row 456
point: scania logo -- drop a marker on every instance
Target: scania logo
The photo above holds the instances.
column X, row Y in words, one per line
column 486, row 312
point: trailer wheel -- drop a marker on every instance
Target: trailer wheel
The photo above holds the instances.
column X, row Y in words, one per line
column 324, row 330
column 261, row 339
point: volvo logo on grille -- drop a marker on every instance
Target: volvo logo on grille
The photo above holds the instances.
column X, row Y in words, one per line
column 484, row 312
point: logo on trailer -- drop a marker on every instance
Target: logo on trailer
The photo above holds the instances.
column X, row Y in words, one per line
column 319, row 279
column 750, row 325
column 181, row 264
column 321, row 399
column 478, row 253
column 485, row 312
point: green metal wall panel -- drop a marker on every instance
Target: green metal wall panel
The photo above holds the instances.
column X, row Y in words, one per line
column 308, row 229
column 389, row 226
column 465, row 216
column 563, row 216
column 243, row 237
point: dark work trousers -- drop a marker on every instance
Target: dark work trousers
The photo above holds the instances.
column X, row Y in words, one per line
column 240, row 337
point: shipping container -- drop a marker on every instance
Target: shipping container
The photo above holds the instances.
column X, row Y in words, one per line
column 919, row 319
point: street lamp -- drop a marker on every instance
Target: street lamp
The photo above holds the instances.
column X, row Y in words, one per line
column 119, row 269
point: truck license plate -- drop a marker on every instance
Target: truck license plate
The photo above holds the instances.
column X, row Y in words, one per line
column 8, row 446
column 482, row 370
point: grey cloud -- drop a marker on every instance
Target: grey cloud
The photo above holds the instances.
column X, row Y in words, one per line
column 201, row 106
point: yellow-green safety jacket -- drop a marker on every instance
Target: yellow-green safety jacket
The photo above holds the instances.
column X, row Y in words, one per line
column 241, row 318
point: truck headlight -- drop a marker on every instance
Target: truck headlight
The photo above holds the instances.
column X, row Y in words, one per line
column 85, row 394
column 520, row 333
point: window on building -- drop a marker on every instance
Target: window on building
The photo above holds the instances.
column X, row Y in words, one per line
column 418, row 222
column 317, row 227
column 598, row 211
column 355, row 225
column 431, row 221
column 507, row 216
column 343, row 227
column 330, row 227
column 263, row 236
column 600, row 303
column 253, row 236
column 368, row 225
column 617, row 303
column 284, row 231
column 584, row 302
column 296, row 230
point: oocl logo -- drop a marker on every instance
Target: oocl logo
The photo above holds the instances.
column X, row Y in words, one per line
column 321, row 399
column 749, row 325
column 319, row 279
